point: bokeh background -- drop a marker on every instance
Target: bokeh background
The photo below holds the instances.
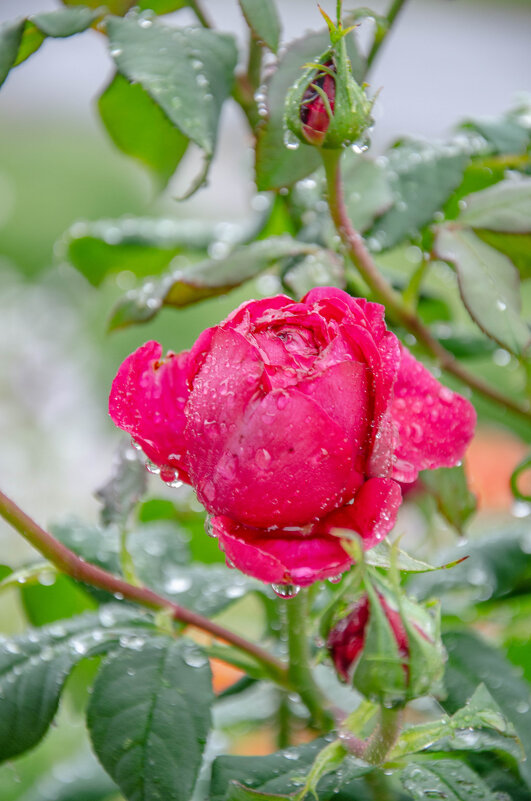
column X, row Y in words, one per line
column 447, row 60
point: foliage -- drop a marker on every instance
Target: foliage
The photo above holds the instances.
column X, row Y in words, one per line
column 446, row 246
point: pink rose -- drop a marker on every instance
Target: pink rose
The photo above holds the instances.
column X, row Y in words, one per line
column 291, row 419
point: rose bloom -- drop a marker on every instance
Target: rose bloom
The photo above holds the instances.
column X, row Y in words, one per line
column 292, row 419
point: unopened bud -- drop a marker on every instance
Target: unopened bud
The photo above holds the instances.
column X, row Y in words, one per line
column 389, row 654
column 326, row 107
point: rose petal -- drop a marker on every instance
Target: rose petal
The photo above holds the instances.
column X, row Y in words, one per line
column 342, row 391
column 263, row 465
column 278, row 559
column 434, row 425
column 147, row 400
column 373, row 513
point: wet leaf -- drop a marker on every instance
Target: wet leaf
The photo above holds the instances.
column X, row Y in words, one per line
column 161, row 557
column 489, row 286
column 496, row 567
column 382, row 556
column 124, row 489
column 472, row 661
column 422, row 177
column 504, row 135
column 45, row 603
column 22, row 37
column 465, row 730
column 34, row 667
column 444, row 779
column 77, row 778
column 505, row 207
column 262, row 17
column 276, row 165
column 138, row 126
column 188, row 72
column 516, row 246
column 141, row 245
column 205, row 279
column 449, row 487
column 284, row 773
column 149, row 716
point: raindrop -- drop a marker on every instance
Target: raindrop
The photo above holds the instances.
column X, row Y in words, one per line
column 335, row 579
column 501, row 305
column 522, row 707
column 209, row 490
column 262, row 458
column 286, row 590
column 178, row 584
column 521, row 509
column 230, row 564
column 290, row 140
column 209, row 527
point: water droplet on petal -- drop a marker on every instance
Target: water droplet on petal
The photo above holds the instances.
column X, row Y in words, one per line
column 335, row 579
column 285, row 590
column 262, row 458
column 209, row 527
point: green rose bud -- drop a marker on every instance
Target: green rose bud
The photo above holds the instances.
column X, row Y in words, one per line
column 388, row 647
column 326, row 107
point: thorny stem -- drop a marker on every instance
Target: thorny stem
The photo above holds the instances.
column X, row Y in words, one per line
column 71, row 564
column 196, row 8
column 384, row 737
column 394, row 10
column 384, row 292
column 299, row 670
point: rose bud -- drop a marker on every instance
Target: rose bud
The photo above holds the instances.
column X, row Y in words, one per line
column 326, row 107
column 291, row 420
column 389, row 654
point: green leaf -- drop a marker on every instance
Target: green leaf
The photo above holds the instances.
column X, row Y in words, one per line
column 161, row 559
column 284, row 774
column 504, row 135
column 142, row 245
column 79, row 777
column 449, row 487
column 496, row 566
column 422, row 177
column 465, row 730
column 10, row 39
column 187, row 72
column 204, row 280
column 140, row 128
column 516, row 246
column 162, row 6
column 64, row 22
column 323, row 269
column 22, row 37
column 489, row 286
column 237, row 792
column 63, row 598
column 471, row 661
column 149, row 716
column 262, row 17
column 124, row 489
column 505, row 207
column 113, row 6
column 386, row 554
column 276, row 165
column 447, row 779
column 34, row 667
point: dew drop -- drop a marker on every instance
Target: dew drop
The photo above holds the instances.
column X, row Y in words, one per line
column 209, row 527
column 291, row 141
column 262, row 458
column 335, row 579
column 286, row 590
column 501, row 305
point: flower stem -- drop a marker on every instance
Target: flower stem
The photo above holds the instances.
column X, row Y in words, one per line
column 394, row 9
column 299, row 671
column 401, row 312
column 382, row 740
column 71, row 564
